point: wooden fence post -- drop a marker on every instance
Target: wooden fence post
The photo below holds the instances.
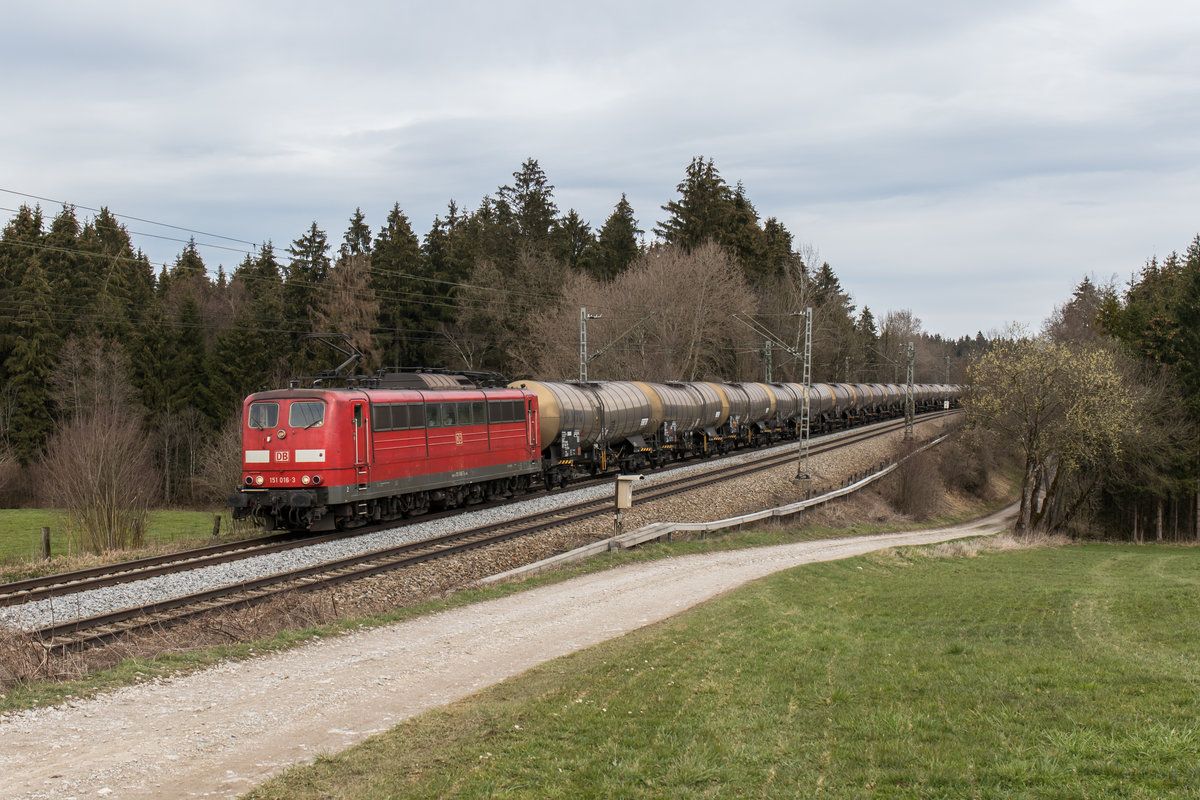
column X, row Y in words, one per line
column 45, row 544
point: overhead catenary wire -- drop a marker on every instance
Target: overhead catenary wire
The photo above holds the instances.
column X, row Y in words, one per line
column 67, row 204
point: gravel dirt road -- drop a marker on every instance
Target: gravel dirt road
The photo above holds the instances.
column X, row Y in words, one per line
column 220, row 732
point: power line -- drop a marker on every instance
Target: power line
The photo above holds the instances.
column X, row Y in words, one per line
column 64, row 203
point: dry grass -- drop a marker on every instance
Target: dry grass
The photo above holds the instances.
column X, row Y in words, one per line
column 25, row 659
column 1004, row 542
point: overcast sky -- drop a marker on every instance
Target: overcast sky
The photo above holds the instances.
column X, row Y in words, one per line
column 968, row 161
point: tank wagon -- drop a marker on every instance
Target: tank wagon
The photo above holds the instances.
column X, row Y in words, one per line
column 330, row 458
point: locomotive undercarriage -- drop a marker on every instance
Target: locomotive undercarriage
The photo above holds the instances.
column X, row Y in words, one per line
column 302, row 511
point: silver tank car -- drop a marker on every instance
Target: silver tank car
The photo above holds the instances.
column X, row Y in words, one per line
column 762, row 401
column 589, row 413
column 733, row 407
column 789, row 399
column 822, row 402
column 895, row 395
column 682, row 411
column 883, row 400
column 866, row 396
column 845, row 399
column 714, row 409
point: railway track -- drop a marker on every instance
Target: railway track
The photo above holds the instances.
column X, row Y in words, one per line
column 89, row 631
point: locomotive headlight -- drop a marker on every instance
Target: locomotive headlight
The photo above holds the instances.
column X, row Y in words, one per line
column 305, row 480
column 249, row 481
column 316, row 480
column 281, row 433
column 259, row 480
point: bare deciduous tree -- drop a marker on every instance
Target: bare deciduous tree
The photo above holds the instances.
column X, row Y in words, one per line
column 99, row 470
column 98, row 466
column 179, row 436
column 220, row 467
column 500, row 314
column 683, row 300
column 348, row 305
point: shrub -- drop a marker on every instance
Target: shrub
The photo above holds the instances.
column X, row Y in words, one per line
column 98, row 469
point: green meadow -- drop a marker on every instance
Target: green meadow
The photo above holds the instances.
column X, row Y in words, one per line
column 21, row 531
column 1054, row 672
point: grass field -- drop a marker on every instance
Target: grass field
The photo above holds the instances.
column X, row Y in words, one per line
column 1067, row 672
column 21, row 531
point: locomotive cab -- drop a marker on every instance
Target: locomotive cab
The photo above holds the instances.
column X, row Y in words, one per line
column 291, row 453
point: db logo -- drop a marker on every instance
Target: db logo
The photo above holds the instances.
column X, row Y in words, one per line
column 458, row 437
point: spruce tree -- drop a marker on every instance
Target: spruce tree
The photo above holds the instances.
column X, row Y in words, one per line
column 123, row 279
column 30, row 361
column 357, row 240
column 531, row 199
column 703, row 210
column 617, row 245
column 20, row 243
column 306, row 276
column 409, row 306
column 74, row 279
column 746, row 240
column 779, row 254
column 573, row 243
column 249, row 354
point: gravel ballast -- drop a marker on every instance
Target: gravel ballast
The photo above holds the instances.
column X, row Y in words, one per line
column 727, row 499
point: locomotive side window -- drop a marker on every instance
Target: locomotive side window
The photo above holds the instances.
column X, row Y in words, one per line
column 382, row 417
column 506, row 411
column 398, row 417
column 478, row 413
column 410, row 417
column 263, row 415
column 306, row 414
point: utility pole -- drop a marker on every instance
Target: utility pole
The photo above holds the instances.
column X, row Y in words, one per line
column 767, row 361
column 908, row 396
column 946, row 396
column 583, row 357
column 805, row 410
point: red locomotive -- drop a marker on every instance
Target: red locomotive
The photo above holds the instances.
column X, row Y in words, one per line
column 325, row 459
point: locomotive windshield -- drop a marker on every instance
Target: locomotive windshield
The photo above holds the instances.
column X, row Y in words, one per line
column 263, row 415
column 306, row 414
